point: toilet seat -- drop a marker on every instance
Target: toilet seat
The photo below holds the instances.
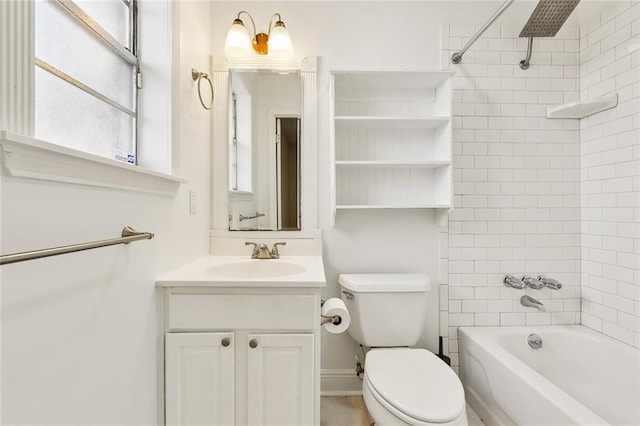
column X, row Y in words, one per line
column 414, row 385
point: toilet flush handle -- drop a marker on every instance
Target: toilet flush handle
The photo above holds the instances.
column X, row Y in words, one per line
column 348, row 295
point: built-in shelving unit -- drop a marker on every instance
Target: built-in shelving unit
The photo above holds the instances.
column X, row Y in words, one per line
column 391, row 140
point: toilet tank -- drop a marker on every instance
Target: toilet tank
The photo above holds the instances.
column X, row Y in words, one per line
column 386, row 310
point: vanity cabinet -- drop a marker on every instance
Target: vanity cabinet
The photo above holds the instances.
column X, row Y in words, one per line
column 391, row 139
column 241, row 356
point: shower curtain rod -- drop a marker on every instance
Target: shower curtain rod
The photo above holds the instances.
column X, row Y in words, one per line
column 128, row 235
column 457, row 57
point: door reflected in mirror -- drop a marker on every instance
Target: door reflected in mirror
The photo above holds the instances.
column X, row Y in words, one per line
column 264, row 150
column 288, row 173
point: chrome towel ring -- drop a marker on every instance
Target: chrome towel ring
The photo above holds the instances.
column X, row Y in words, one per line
column 198, row 76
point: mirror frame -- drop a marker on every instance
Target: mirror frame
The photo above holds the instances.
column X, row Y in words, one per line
column 221, row 67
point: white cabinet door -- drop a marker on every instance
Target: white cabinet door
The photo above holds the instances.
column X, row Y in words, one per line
column 199, row 378
column 280, row 379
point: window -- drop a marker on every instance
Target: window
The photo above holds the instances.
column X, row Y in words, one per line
column 87, row 75
column 240, row 136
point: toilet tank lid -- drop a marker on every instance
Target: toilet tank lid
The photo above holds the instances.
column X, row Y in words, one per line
column 381, row 283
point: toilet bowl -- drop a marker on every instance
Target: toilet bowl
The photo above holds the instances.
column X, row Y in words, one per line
column 402, row 386
column 412, row 387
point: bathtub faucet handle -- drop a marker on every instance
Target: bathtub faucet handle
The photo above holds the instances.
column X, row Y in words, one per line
column 549, row 282
column 532, row 282
column 513, row 282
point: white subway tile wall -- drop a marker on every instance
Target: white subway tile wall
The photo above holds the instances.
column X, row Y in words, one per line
column 537, row 196
column 516, row 180
column 610, row 175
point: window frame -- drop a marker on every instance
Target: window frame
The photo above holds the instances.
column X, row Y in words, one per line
column 130, row 55
column 25, row 157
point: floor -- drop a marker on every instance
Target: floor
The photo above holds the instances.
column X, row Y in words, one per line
column 344, row 411
column 350, row 411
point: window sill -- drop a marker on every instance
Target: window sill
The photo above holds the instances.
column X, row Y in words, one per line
column 32, row 158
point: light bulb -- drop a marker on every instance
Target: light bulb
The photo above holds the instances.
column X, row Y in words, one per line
column 280, row 41
column 238, row 42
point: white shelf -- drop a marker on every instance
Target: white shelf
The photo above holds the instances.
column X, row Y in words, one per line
column 390, row 206
column 414, row 80
column 582, row 109
column 409, row 164
column 430, row 122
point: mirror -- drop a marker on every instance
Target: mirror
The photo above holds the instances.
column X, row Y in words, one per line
column 264, row 159
column 264, row 146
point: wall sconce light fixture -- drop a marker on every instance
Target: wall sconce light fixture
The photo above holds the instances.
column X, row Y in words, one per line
column 276, row 41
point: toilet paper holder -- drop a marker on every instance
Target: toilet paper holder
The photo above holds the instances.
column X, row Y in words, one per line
column 335, row 320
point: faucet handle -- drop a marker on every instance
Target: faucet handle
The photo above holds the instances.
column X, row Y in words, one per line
column 549, row 282
column 254, row 253
column 513, row 282
column 531, row 282
column 274, row 252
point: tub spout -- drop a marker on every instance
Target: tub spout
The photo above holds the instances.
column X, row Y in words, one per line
column 530, row 302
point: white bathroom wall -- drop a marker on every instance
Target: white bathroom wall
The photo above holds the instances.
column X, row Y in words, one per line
column 79, row 332
column 610, row 174
column 516, row 180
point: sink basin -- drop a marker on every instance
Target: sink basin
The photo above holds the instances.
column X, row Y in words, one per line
column 242, row 271
column 256, row 268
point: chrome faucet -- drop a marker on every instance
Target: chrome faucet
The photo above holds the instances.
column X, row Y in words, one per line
column 261, row 251
column 530, row 302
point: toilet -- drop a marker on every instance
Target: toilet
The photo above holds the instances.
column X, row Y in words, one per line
column 402, row 386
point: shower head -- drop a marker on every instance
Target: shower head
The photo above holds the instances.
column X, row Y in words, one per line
column 548, row 17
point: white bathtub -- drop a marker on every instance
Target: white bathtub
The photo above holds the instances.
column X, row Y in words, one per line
column 578, row 377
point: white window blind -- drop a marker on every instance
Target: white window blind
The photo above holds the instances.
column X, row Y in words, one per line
column 86, row 76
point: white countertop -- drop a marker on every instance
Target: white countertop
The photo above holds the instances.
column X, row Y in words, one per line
column 242, row 271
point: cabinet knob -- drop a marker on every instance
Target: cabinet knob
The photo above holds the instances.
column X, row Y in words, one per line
column 253, row 343
column 226, row 342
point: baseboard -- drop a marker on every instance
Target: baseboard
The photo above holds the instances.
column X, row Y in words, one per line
column 334, row 382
